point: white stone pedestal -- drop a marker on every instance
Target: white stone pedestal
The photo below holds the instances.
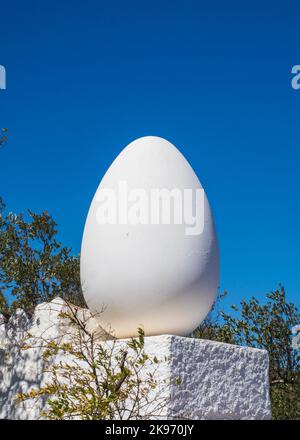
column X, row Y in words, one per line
column 199, row 379
column 218, row 381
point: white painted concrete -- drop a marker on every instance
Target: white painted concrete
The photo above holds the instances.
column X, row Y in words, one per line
column 217, row 381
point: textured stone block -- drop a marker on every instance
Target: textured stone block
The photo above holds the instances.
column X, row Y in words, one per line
column 218, row 381
column 199, row 379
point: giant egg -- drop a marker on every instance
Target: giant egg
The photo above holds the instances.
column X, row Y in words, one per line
column 143, row 262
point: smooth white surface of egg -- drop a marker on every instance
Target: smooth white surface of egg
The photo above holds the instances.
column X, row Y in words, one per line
column 141, row 272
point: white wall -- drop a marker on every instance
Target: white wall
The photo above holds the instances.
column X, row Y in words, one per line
column 218, row 381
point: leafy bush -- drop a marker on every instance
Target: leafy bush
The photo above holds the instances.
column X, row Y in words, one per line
column 266, row 326
column 34, row 266
column 95, row 380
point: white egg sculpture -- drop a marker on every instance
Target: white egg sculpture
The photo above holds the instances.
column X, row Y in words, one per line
column 146, row 262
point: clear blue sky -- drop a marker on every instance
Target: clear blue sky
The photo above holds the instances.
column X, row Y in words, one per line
column 86, row 78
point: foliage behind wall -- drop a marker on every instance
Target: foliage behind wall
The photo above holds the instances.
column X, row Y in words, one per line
column 35, row 267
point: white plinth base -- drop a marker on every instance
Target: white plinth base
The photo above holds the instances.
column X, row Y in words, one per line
column 218, row 381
